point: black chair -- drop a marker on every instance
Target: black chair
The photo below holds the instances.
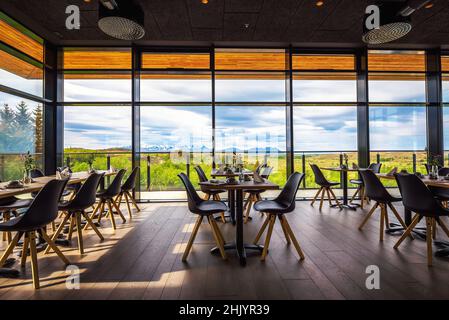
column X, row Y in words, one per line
column 75, row 209
column 127, row 189
column 203, row 208
column 374, row 167
column 417, row 198
column 284, row 203
column 215, row 194
column 38, row 173
column 325, row 187
column 254, row 195
column 375, row 190
column 106, row 197
column 10, row 206
column 442, row 194
column 42, row 211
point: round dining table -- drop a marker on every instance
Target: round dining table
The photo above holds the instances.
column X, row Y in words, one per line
column 235, row 192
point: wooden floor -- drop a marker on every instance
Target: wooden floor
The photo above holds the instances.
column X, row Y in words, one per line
column 142, row 260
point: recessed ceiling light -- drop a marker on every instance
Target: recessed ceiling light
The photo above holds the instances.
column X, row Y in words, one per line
column 87, row 1
column 204, row 1
column 319, row 3
column 429, row 5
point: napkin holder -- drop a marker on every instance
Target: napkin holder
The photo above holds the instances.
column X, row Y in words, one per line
column 257, row 178
column 392, row 172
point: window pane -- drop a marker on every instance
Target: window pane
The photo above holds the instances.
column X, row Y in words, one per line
column 397, row 128
column 325, row 128
column 97, row 128
column 97, row 59
column 385, row 60
column 174, row 87
column 252, row 87
column 92, row 87
column 21, row 75
column 323, row 62
column 153, row 60
column 445, row 88
column 324, row 87
column 170, row 138
column 397, row 88
column 20, row 38
column 256, row 134
column 21, row 130
column 248, row 59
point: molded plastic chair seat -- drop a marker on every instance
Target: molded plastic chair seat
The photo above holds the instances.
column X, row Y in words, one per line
column 271, row 206
column 206, row 208
column 16, row 204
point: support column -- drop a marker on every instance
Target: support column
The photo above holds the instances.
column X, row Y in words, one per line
column 362, row 108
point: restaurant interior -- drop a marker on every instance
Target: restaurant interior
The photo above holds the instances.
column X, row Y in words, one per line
column 224, row 150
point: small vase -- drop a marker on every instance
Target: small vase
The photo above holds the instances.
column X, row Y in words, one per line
column 435, row 171
column 27, row 177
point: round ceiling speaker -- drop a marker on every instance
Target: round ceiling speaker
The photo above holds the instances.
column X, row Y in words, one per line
column 125, row 22
column 393, row 25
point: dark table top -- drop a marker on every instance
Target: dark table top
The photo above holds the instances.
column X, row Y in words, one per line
column 267, row 185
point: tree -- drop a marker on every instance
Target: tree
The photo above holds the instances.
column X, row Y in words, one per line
column 7, row 117
column 38, row 122
column 23, row 117
column 24, row 128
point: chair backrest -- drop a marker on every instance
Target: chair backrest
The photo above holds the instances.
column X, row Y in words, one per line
column 287, row 197
column 416, row 196
column 116, row 184
column 44, row 208
column 265, row 172
column 85, row 197
column 375, row 167
column 443, row 171
column 193, row 199
column 36, row 173
column 374, row 189
column 201, row 175
column 130, row 183
column 320, row 179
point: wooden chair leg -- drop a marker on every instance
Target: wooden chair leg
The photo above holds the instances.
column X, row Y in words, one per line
column 329, row 197
column 293, row 238
column 382, row 222
column 248, row 209
column 33, row 256
column 284, row 229
column 262, row 229
column 408, row 231
column 335, row 198
column 429, row 240
column 217, row 237
column 130, row 196
column 368, row 216
column 10, row 248
column 443, row 226
column 118, row 210
column 322, row 199
column 434, row 229
column 362, row 197
column 96, row 209
column 26, row 245
column 102, row 209
column 71, row 226
column 79, row 232
column 316, row 196
column 128, row 206
column 199, row 220
column 111, row 214
column 217, row 229
column 92, row 225
column 387, row 218
column 53, row 246
column 398, row 217
column 354, row 195
column 207, row 197
column 268, row 237
column 58, row 231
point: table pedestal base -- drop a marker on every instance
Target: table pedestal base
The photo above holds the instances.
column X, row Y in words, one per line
column 242, row 255
column 344, row 206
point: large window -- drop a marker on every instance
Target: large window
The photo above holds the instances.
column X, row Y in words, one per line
column 323, row 131
column 445, row 86
column 21, row 119
column 97, row 108
column 397, row 109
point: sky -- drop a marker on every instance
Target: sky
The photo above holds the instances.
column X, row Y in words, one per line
column 330, row 128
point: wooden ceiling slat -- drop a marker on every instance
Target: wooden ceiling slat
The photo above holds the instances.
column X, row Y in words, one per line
column 445, row 63
column 175, row 61
column 323, row 62
column 19, row 67
column 20, row 41
column 250, row 60
column 97, row 59
column 396, row 62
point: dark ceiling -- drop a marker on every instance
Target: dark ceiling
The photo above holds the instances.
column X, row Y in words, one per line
column 338, row 23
